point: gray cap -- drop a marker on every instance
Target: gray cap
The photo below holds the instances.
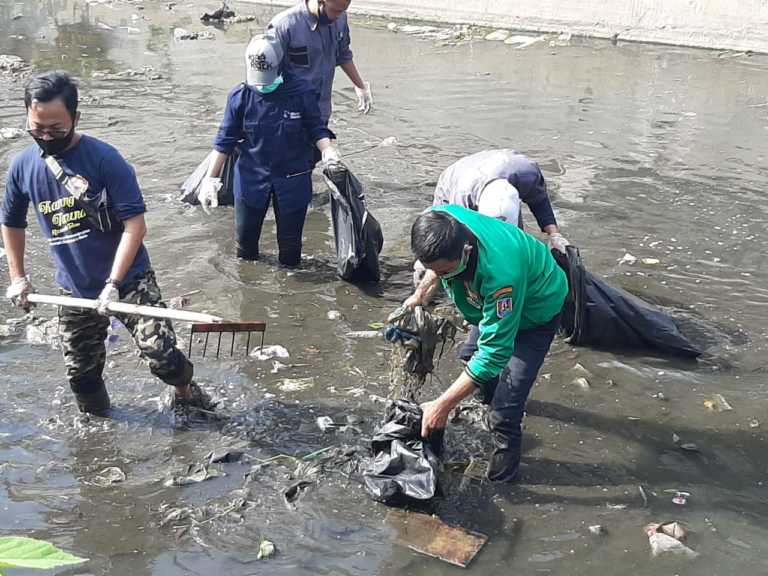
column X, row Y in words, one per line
column 262, row 60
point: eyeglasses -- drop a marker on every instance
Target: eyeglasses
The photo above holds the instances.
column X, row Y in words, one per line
column 40, row 132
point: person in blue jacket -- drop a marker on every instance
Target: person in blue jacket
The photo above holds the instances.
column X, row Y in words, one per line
column 275, row 123
column 314, row 35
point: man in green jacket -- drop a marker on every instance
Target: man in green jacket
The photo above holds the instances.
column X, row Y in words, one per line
column 507, row 284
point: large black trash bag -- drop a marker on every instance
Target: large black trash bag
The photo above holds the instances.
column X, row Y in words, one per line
column 191, row 185
column 403, row 464
column 358, row 234
column 596, row 314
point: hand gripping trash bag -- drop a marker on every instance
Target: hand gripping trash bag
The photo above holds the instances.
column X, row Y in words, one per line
column 419, row 332
column 596, row 314
column 403, row 464
column 191, row 185
column 358, row 235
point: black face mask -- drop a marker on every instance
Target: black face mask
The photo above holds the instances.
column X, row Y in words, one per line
column 57, row 145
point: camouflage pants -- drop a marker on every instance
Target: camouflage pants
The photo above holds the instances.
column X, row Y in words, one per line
column 83, row 332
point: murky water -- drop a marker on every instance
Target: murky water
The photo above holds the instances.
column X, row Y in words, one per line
column 655, row 151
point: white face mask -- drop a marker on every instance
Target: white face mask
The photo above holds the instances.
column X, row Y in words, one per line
column 270, row 87
column 462, row 266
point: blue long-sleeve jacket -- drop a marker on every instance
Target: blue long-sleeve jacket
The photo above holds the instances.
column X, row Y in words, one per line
column 275, row 134
column 312, row 50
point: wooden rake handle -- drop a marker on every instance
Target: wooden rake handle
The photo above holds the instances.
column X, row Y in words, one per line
column 125, row 308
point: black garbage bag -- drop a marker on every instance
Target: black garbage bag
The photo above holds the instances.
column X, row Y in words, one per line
column 358, row 234
column 191, row 185
column 598, row 315
column 403, row 464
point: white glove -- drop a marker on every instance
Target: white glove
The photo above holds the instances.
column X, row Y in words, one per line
column 364, row 98
column 557, row 242
column 17, row 292
column 208, row 196
column 331, row 155
column 419, row 271
column 109, row 294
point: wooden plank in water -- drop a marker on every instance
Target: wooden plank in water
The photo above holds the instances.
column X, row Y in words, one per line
column 431, row 536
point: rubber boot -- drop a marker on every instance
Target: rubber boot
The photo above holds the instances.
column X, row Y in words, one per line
column 96, row 402
column 504, row 461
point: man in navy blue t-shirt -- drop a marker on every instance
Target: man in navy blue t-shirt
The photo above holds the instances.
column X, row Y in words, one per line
column 94, row 259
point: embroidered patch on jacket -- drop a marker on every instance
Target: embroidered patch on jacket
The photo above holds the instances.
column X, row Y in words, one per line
column 503, row 307
column 502, row 291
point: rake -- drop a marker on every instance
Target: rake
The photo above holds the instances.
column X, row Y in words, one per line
column 201, row 323
column 221, row 327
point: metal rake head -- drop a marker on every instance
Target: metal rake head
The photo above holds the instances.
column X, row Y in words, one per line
column 220, row 328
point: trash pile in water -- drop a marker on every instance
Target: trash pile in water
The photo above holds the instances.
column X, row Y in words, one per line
column 10, row 64
column 266, row 477
column 224, row 15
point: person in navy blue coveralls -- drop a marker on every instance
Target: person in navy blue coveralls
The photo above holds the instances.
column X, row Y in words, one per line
column 275, row 123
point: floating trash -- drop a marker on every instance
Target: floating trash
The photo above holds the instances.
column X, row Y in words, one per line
column 194, row 474
column 667, row 538
column 109, row 476
column 296, row 384
column 364, row 334
column 269, row 352
column 11, row 133
column 266, row 549
column 325, row 423
column 582, row 383
column 627, row 259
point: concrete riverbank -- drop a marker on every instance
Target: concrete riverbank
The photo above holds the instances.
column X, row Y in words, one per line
column 719, row 24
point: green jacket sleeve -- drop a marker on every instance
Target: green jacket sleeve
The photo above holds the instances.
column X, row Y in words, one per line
column 502, row 311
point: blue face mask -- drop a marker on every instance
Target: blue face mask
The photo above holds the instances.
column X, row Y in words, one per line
column 460, row 268
column 270, row 87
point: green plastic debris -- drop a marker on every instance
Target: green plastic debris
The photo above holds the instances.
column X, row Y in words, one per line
column 22, row 552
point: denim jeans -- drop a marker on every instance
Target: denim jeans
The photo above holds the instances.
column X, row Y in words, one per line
column 506, row 395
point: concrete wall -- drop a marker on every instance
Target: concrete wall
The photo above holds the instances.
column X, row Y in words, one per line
column 724, row 24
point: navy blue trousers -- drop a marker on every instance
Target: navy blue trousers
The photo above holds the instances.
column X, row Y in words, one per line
column 289, row 215
column 506, row 395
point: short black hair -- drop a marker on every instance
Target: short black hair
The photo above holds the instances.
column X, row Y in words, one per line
column 50, row 86
column 436, row 235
